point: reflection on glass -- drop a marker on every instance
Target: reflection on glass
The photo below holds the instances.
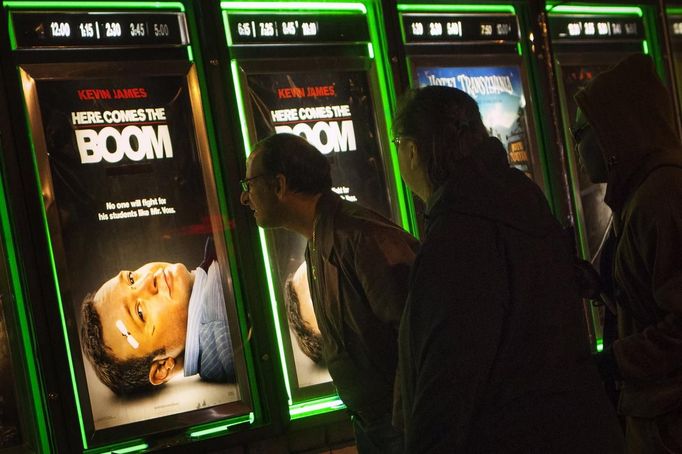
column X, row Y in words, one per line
column 498, row 90
column 333, row 110
column 596, row 214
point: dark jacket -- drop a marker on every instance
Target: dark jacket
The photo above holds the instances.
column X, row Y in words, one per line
column 358, row 267
column 633, row 119
column 494, row 354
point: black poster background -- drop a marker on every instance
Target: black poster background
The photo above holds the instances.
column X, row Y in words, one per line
column 595, row 212
column 357, row 175
column 10, row 434
column 95, row 250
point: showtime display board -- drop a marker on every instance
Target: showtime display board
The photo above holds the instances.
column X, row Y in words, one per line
column 138, row 241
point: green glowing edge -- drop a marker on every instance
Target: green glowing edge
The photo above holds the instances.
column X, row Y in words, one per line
column 315, row 407
column 24, row 326
column 385, row 96
column 70, row 5
column 239, row 96
column 53, row 267
column 19, row 4
column 309, row 7
column 409, row 7
column 672, row 11
column 213, row 429
column 555, row 8
column 123, row 449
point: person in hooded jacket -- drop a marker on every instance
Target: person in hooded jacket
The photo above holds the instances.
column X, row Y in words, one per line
column 494, row 354
column 625, row 136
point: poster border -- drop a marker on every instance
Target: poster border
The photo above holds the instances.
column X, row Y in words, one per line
column 30, row 74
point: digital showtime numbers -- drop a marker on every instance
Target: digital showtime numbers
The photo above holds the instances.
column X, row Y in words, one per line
column 273, row 29
column 451, row 28
column 436, row 28
column 60, row 29
column 601, row 28
column 677, row 28
column 594, row 28
column 83, row 29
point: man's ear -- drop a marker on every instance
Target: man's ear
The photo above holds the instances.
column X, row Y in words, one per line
column 160, row 370
column 413, row 155
column 280, row 186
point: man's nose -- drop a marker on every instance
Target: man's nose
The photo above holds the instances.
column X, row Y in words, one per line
column 244, row 198
column 149, row 282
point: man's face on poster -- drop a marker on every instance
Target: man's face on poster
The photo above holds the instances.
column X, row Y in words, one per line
column 145, row 310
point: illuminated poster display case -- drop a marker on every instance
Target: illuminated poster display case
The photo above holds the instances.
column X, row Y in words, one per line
column 587, row 40
column 477, row 49
column 310, row 69
column 139, row 250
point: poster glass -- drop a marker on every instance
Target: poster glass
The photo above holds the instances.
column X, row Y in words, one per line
column 138, row 240
column 334, row 111
column 596, row 214
column 498, row 90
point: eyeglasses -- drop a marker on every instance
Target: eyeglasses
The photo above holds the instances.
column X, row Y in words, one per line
column 245, row 182
column 578, row 133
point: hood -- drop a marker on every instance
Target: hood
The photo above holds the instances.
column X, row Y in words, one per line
column 632, row 116
column 483, row 185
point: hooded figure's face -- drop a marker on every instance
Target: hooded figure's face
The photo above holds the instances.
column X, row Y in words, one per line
column 589, row 150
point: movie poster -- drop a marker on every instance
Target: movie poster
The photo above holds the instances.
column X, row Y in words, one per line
column 498, row 90
column 138, row 240
column 333, row 111
column 596, row 214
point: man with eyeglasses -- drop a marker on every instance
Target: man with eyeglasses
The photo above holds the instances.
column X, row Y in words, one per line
column 358, row 264
column 626, row 137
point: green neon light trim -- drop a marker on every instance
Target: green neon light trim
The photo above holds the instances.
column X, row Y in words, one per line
column 370, row 51
column 69, row 354
column 275, row 310
column 261, row 233
column 12, row 37
column 600, row 345
column 190, row 54
column 24, row 325
column 384, row 98
column 250, row 418
column 316, row 407
column 673, row 11
column 228, row 34
column 519, row 49
column 580, row 9
column 60, row 305
column 645, row 47
column 456, row 8
column 135, row 448
column 240, row 106
column 18, row 4
column 288, row 6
